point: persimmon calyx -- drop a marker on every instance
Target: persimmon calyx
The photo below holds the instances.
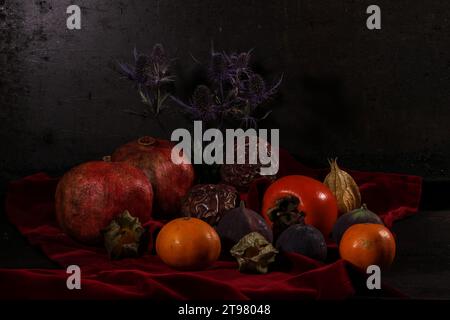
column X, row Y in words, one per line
column 285, row 213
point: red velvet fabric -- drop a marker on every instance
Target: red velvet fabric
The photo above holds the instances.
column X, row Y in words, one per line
column 30, row 207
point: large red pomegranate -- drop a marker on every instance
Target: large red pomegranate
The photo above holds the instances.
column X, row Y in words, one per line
column 170, row 181
column 90, row 195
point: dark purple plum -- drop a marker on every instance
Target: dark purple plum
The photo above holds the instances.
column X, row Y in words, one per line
column 361, row 215
column 238, row 222
column 303, row 239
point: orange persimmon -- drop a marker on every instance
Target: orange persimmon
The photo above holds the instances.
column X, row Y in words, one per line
column 368, row 244
column 188, row 244
column 311, row 199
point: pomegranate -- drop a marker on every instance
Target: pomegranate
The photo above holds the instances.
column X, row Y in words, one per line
column 90, row 195
column 170, row 181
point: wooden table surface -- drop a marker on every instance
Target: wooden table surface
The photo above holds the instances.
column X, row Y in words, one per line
column 421, row 268
column 422, row 265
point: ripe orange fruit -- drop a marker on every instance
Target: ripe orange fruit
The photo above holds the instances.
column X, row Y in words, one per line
column 368, row 244
column 188, row 243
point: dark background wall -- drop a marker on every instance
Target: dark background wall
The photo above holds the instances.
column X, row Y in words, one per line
column 379, row 100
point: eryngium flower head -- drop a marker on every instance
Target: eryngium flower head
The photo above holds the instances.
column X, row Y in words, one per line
column 202, row 97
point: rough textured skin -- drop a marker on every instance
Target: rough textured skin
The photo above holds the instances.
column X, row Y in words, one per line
column 242, row 175
column 170, row 181
column 90, row 195
column 209, row 202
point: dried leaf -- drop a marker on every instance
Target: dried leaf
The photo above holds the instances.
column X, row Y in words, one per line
column 124, row 237
column 254, row 253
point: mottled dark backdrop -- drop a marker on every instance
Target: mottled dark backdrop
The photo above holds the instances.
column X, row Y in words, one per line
column 379, row 100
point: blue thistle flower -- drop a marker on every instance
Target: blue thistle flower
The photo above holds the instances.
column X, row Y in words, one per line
column 236, row 91
column 151, row 75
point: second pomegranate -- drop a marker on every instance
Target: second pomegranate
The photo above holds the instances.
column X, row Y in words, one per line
column 170, row 181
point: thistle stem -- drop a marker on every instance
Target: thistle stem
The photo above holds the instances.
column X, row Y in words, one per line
column 221, row 91
column 161, row 126
column 158, row 101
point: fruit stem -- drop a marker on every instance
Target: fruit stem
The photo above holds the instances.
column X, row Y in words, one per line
column 146, row 141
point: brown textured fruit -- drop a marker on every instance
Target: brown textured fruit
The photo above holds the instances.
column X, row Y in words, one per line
column 242, row 175
column 209, row 202
column 344, row 187
column 90, row 195
column 170, row 181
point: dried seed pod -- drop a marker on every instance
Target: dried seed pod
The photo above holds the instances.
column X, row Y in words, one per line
column 343, row 187
column 254, row 253
column 125, row 237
